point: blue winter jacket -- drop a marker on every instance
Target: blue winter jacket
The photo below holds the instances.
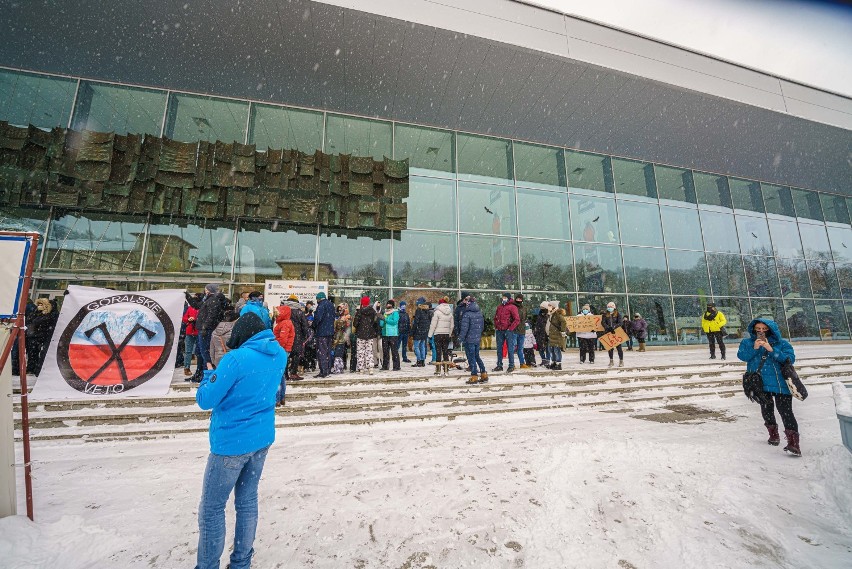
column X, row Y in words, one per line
column 241, row 392
column 472, row 324
column 781, row 352
column 258, row 308
column 404, row 323
column 324, row 319
column 390, row 324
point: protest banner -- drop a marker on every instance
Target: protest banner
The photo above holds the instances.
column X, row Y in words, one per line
column 275, row 291
column 611, row 340
column 584, row 323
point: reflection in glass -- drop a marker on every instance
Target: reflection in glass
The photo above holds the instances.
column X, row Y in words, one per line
column 543, row 214
column 840, row 239
column 844, row 275
column 657, row 312
column 598, row 268
column 35, row 100
column 793, row 274
column 778, row 200
column 675, row 185
column 720, row 232
column 772, row 308
column 640, row 223
column 688, row 311
column 593, row 219
column 801, row 320
column 191, row 247
column 430, row 151
column 688, row 271
column 807, row 204
column 815, row 241
column 598, row 302
column 539, row 166
column 488, row 262
column 634, row 178
column 831, row 320
column 195, row 117
column 785, row 238
column 727, row 275
column 645, row 270
column 682, row 228
column 746, row 195
column 589, row 172
column 95, row 242
column 425, row 260
column 711, row 189
column 122, row 110
column 352, row 297
column 823, row 279
column 281, row 127
column 487, row 208
column 754, row 235
column 547, row 265
column 761, row 276
column 356, row 136
column 23, row 219
column 484, row 159
column 355, row 258
column 834, row 208
column 272, row 250
column 738, row 315
column 431, row 203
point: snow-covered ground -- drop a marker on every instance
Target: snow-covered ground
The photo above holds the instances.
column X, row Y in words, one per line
column 550, row 489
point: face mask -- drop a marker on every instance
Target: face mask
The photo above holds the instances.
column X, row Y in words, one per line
column 388, row 307
column 585, row 311
column 504, row 301
column 610, row 309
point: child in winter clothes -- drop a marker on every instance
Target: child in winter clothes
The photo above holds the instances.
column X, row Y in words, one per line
column 340, row 341
column 529, row 345
column 285, row 333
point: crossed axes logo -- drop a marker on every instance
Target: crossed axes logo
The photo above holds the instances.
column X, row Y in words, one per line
column 116, row 350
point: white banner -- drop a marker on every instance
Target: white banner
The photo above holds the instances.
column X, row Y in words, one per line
column 274, row 291
column 109, row 343
column 14, row 250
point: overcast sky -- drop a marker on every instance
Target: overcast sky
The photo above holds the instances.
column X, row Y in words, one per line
column 806, row 41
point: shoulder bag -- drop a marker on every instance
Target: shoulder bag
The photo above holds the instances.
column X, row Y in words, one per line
column 794, row 384
column 753, row 382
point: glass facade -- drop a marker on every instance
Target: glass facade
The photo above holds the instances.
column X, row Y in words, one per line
column 485, row 214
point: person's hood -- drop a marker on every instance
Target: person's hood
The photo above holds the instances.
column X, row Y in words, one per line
column 774, row 334
column 245, row 327
column 43, row 305
column 263, row 342
column 224, row 328
column 445, row 308
column 255, row 301
column 472, row 307
column 284, row 313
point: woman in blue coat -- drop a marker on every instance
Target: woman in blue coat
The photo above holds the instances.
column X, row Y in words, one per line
column 765, row 342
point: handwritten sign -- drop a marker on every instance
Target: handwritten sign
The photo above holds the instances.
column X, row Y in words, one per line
column 590, row 323
column 611, row 340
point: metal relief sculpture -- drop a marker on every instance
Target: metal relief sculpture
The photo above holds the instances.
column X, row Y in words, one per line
column 140, row 174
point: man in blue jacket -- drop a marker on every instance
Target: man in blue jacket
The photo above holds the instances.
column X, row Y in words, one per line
column 324, row 331
column 470, row 335
column 255, row 304
column 241, row 392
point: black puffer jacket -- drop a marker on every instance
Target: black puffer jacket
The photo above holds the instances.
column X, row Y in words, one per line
column 365, row 323
column 421, row 322
column 611, row 321
column 540, row 328
column 212, row 312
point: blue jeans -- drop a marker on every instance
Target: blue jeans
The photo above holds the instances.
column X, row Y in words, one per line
column 403, row 345
column 519, row 348
column 471, row 351
column 189, row 349
column 434, row 349
column 202, row 349
column 555, row 354
column 420, row 350
column 508, row 337
column 241, row 474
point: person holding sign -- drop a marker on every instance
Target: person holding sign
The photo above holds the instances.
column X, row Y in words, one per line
column 587, row 339
column 611, row 320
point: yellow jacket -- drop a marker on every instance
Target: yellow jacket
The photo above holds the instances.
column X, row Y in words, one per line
column 713, row 325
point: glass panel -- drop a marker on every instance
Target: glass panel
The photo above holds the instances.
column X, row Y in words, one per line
column 433, row 295
column 785, row 238
column 359, row 258
column 834, row 208
column 484, row 159
column 429, row 151
column 280, row 127
column 539, row 166
column 593, row 219
column 95, row 242
column 754, row 235
column 425, row 260
column 844, row 275
column 682, row 228
column 547, row 265
column 431, row 203
column 823, row 279
column 588, row 172
column 276, row 251
column 634, row 178
column 675, row 185
column 746, row 195
column 640, row 223
column 738, row 315
column 831, row 320
column 688, row 311
column 598, row 268
column 807, row 204
column 688, row 271
column 352, row 297
column 793, row 275
column 122, row 110
column 194, row 117
column 815, row 241
column 193, row 247
column 801, row 320
column 359, row 137
column 543, row 214
column 23, row 219
column 35, row 100
column 657, row 312
column 778, row 200
column 761, row 276
column 726, row 273
column 770, row 308
column 840, row 239
column 487, row 209
column 646, row 270
column 488, row 262
column 712, row 190
column 597, row 302
column 720, row 232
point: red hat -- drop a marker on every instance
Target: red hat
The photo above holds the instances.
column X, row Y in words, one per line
column 443, row 300
column 365, row 301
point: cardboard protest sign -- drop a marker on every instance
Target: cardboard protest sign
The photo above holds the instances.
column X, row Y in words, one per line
column 587, row 323
column 611, row 340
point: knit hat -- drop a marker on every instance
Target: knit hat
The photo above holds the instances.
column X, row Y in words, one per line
column 365, row 301
column 421, row 300
column 464, row 294
column 711, row 305
column 586, row 306
column 443, row 300
column 391, row 302
column 506, row 295
column 212, row 288
column 293, row 298
column 519, row 297
column 544, row 304
column 245, row 327
column 320, row 296
column 255, row 294
column 403, row 304
column 610, row 305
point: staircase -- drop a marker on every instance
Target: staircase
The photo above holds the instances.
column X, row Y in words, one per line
column 415, row 394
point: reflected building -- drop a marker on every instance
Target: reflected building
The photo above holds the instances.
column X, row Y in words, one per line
column 652, row 176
